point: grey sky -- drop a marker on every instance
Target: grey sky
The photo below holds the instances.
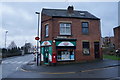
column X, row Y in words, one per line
column 20, row 20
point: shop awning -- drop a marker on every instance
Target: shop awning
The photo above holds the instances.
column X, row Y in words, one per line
column 65, row 43
column 46, row 43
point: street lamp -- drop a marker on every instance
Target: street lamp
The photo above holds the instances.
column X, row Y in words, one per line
column 6, row 37
column 38, row 40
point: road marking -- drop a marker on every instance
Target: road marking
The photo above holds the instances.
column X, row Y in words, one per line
column 19, row 62
column 69, row 72
column 14, row 62
column 25, row 62
column 25, row 70
column 58, row 73
column 17, row 68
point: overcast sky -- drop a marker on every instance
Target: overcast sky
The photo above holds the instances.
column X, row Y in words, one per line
column 20, row 20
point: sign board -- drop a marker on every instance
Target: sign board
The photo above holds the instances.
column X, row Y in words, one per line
column 46, row 43
column 66, row 43
column 37, row 38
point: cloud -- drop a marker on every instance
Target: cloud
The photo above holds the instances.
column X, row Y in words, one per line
column 24, row 15
column 59, row 0
column 21, row 21
column 18, row 13
column 20, row 40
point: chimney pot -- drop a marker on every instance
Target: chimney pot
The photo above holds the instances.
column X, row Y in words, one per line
column 70, row 9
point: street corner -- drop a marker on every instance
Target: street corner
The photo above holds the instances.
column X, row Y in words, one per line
column 68, row 68
column 28, row 67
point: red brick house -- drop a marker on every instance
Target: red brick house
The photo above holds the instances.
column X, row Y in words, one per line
column 117, row 37
column 68, row 35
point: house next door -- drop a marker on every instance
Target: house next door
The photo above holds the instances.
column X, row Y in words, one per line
column 96, row 50
column 46, row 58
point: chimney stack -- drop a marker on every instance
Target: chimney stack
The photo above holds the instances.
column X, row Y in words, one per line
column 70, row 9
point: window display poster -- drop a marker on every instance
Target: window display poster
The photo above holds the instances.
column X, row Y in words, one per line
column 72, row 57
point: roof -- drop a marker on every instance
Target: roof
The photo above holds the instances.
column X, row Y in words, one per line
column 117, row 27
column 64, row 13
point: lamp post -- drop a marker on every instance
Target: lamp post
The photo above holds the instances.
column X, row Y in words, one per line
column 38, row 39
column 5, row 37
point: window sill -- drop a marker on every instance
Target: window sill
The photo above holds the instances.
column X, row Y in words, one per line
column 86, row 54
column 64, row 35
column 46, row 36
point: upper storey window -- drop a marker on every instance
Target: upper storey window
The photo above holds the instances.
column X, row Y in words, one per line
column 85, row 26
column 65, row 28
column 46, row 30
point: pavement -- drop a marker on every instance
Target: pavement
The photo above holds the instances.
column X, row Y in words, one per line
column 70, row 68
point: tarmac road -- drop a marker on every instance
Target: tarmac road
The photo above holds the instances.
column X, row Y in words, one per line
column 12, row 70
column 111, row 72
column 12, row 64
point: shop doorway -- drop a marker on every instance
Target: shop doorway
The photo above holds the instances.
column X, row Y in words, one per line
column 96, row 50
column 46, row 55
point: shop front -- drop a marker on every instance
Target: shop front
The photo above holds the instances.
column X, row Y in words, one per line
column 46, row 52
column 65, row 50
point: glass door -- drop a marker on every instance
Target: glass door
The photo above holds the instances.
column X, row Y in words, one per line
column 46, row 55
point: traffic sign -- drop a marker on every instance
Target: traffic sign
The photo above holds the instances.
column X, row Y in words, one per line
column 37, row 38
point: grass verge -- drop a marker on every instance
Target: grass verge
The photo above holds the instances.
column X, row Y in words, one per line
column 113, row 57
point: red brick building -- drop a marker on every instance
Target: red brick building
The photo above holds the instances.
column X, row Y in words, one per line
column 117, row 37
column 69, row 35
column 108, row 42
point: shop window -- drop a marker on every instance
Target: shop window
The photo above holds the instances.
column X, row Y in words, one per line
column 86, row 50
column 46, row 30
column 64, row 55
column 65, row 29
column 85, row 27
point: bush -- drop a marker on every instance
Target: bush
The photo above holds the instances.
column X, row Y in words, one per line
column 10, row 52
column 108, row 51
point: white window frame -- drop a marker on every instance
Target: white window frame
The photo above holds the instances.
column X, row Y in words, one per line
column 64, row 30
column 46, row 30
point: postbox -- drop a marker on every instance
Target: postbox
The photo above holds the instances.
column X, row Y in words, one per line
column 54, row 60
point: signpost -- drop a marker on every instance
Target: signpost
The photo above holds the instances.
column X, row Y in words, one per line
column 37, row 38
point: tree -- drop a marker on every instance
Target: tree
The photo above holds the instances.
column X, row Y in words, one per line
column 12, row 45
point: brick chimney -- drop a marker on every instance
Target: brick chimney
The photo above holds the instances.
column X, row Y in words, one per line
column 70, row 9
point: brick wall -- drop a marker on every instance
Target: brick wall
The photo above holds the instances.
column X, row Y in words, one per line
column 117, row 37
column 93, row 36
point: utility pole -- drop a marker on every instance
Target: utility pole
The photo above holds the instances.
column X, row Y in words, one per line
column 38, row 39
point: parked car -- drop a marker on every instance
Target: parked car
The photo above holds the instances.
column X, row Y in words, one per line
column 118, row 52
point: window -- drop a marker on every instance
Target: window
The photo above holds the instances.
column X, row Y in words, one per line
column 64, row 55
column 86, row 50
column 65, row 29
column 85, row 27
column 82, row 14
column 46, row 30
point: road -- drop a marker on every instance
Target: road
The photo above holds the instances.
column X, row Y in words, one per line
column 12, row 69
column 12, row 64
column 111, row 72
